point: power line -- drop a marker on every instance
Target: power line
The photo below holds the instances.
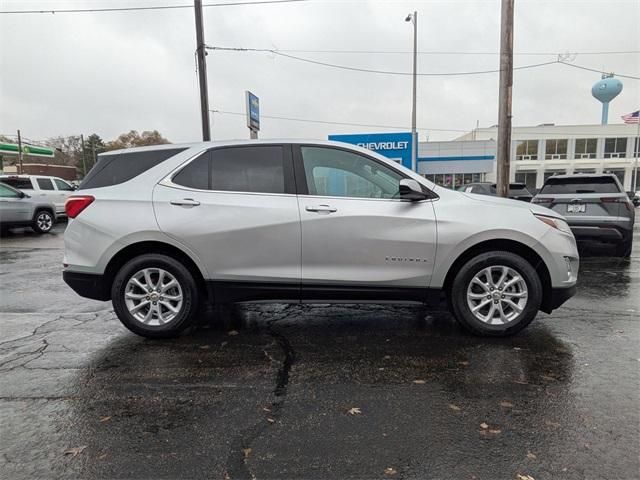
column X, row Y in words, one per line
column 153, row 7
column 442, row 52
column 329, row 122
column 596, row 70
column 367, row 70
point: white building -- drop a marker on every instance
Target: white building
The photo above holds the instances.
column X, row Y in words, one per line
column 547, row 149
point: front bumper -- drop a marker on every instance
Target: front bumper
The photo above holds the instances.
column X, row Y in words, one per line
column 557, row 297
column 87, row 285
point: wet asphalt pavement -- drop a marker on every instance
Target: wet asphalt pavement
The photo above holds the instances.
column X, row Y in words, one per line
column 316, row 391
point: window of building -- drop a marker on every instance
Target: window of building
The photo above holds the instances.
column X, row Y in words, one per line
column 551, row 173
column 586, row 148
column 450, row 180
column 45, row 183
column 618, row 172
column 636, row 149
column 615, row 147
column 527, row 150
column 556, row 149
column 528, row 178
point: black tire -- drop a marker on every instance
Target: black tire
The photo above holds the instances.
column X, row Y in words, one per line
column 188, row 311
column 463, row 278
column 43, row 221
column 624, row 248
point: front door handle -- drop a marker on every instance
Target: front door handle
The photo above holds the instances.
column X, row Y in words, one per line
column 185, row 202
column 321, row 208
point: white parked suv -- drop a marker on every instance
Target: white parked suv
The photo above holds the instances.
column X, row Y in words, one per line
column 52, row 189
column 159, row 230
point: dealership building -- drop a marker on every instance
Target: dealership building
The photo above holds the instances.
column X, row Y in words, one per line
column 536, row 153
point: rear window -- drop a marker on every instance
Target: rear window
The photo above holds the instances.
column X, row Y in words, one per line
column 122, row 167
column 580, row 185
column 19, row 183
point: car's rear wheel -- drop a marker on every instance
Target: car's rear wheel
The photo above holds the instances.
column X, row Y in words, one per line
column 155, row 296
column 43, row 221
column 496, row 294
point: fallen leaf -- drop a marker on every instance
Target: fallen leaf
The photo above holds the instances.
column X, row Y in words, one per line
column 524, row 477
column 102, row 457
column 247, row 452
column 223, row 344
column 495, row 431
column 390, row 471
column 548, row 377
column 105, row 419
column 266, row 409
column 551, row 424
column 419, row 382
column 506, row 404
column 232, row 332
column 75, row 451
column 484, row 426
column 387, row 357
column 465, row 363
column 354, row 411
column 517, row 348
column 454, row 407
column 531, row 456
column 204, row 347
column 270, row 420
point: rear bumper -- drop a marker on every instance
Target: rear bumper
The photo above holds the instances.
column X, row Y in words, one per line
column 87, row 285
column 597, row 233
column 557, row 298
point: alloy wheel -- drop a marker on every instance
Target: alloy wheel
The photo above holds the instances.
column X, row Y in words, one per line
column 153, row 296
column 497, row 295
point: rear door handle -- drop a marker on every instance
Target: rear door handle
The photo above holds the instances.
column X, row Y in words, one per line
column 321, row 208
column 185, row 202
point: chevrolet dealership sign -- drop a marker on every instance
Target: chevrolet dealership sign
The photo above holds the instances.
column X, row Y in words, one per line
column 396, row 146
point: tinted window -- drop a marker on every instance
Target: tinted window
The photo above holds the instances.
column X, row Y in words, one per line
column 19, row 183
column 195, row 174
column 7, row 192
column 62, row 185
column 337, row 173
column 45, row 183
column 248, row 169
column 580, row 185
column 121, row 167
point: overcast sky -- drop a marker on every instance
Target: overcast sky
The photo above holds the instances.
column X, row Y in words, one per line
column 72, row 73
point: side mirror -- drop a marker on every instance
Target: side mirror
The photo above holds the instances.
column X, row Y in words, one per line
column 23, row 195
column 411, row 190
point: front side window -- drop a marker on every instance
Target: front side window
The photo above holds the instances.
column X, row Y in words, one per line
column 255, row 169
column 615, row 147
column 338, row 173
column 586, row 147
column 556, row 149
column 527, row 150
column 45, row 184
column 62, row 185
column 6, row 192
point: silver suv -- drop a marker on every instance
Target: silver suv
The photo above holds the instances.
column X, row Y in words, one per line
column 159, row 230
column 595, row 206
column 17, row 209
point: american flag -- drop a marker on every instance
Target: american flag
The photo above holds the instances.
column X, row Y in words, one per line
column 633, row 117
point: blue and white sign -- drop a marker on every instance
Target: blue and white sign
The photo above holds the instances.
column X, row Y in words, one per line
column 396, row 146
column 253, row 111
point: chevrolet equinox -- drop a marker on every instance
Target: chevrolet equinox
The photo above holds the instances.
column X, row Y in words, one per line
column 160, row 230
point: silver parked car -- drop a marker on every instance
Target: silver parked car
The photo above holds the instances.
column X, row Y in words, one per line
column 17, row 209
column 160, row 229
column 595, row 206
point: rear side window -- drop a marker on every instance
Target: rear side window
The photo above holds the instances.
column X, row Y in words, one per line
column 45, row 183
column 121, row 167
column 19, row 183
column 580, row 185
column 258, row 169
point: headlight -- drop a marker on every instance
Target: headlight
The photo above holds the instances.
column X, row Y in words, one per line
column 554, row 222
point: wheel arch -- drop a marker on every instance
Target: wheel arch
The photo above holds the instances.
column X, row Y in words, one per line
column 152, row 246
column 513, row 246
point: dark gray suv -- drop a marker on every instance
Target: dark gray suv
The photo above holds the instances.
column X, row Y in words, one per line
column 595, row 206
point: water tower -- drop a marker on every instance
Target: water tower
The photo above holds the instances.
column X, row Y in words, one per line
column 604, row 91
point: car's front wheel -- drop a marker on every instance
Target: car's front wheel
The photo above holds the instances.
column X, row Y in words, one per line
column 155, row 296
column 496, row 294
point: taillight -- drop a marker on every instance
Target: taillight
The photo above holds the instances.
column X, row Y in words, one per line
column 627, row 203
column 75, row 204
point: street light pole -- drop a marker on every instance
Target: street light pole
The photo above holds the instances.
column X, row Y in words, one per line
column 202, row 73
column 413, row 17
column 20, row 152
column 504, row 99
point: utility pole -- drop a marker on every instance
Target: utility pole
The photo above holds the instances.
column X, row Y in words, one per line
column 20, row 153
column 202, row 73
column 413, row 17
column 504, row 98
column 84, row 165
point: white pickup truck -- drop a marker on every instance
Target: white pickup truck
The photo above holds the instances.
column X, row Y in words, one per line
column 54, row 189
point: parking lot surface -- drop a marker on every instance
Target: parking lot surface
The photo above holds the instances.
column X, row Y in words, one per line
column 316, row 391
